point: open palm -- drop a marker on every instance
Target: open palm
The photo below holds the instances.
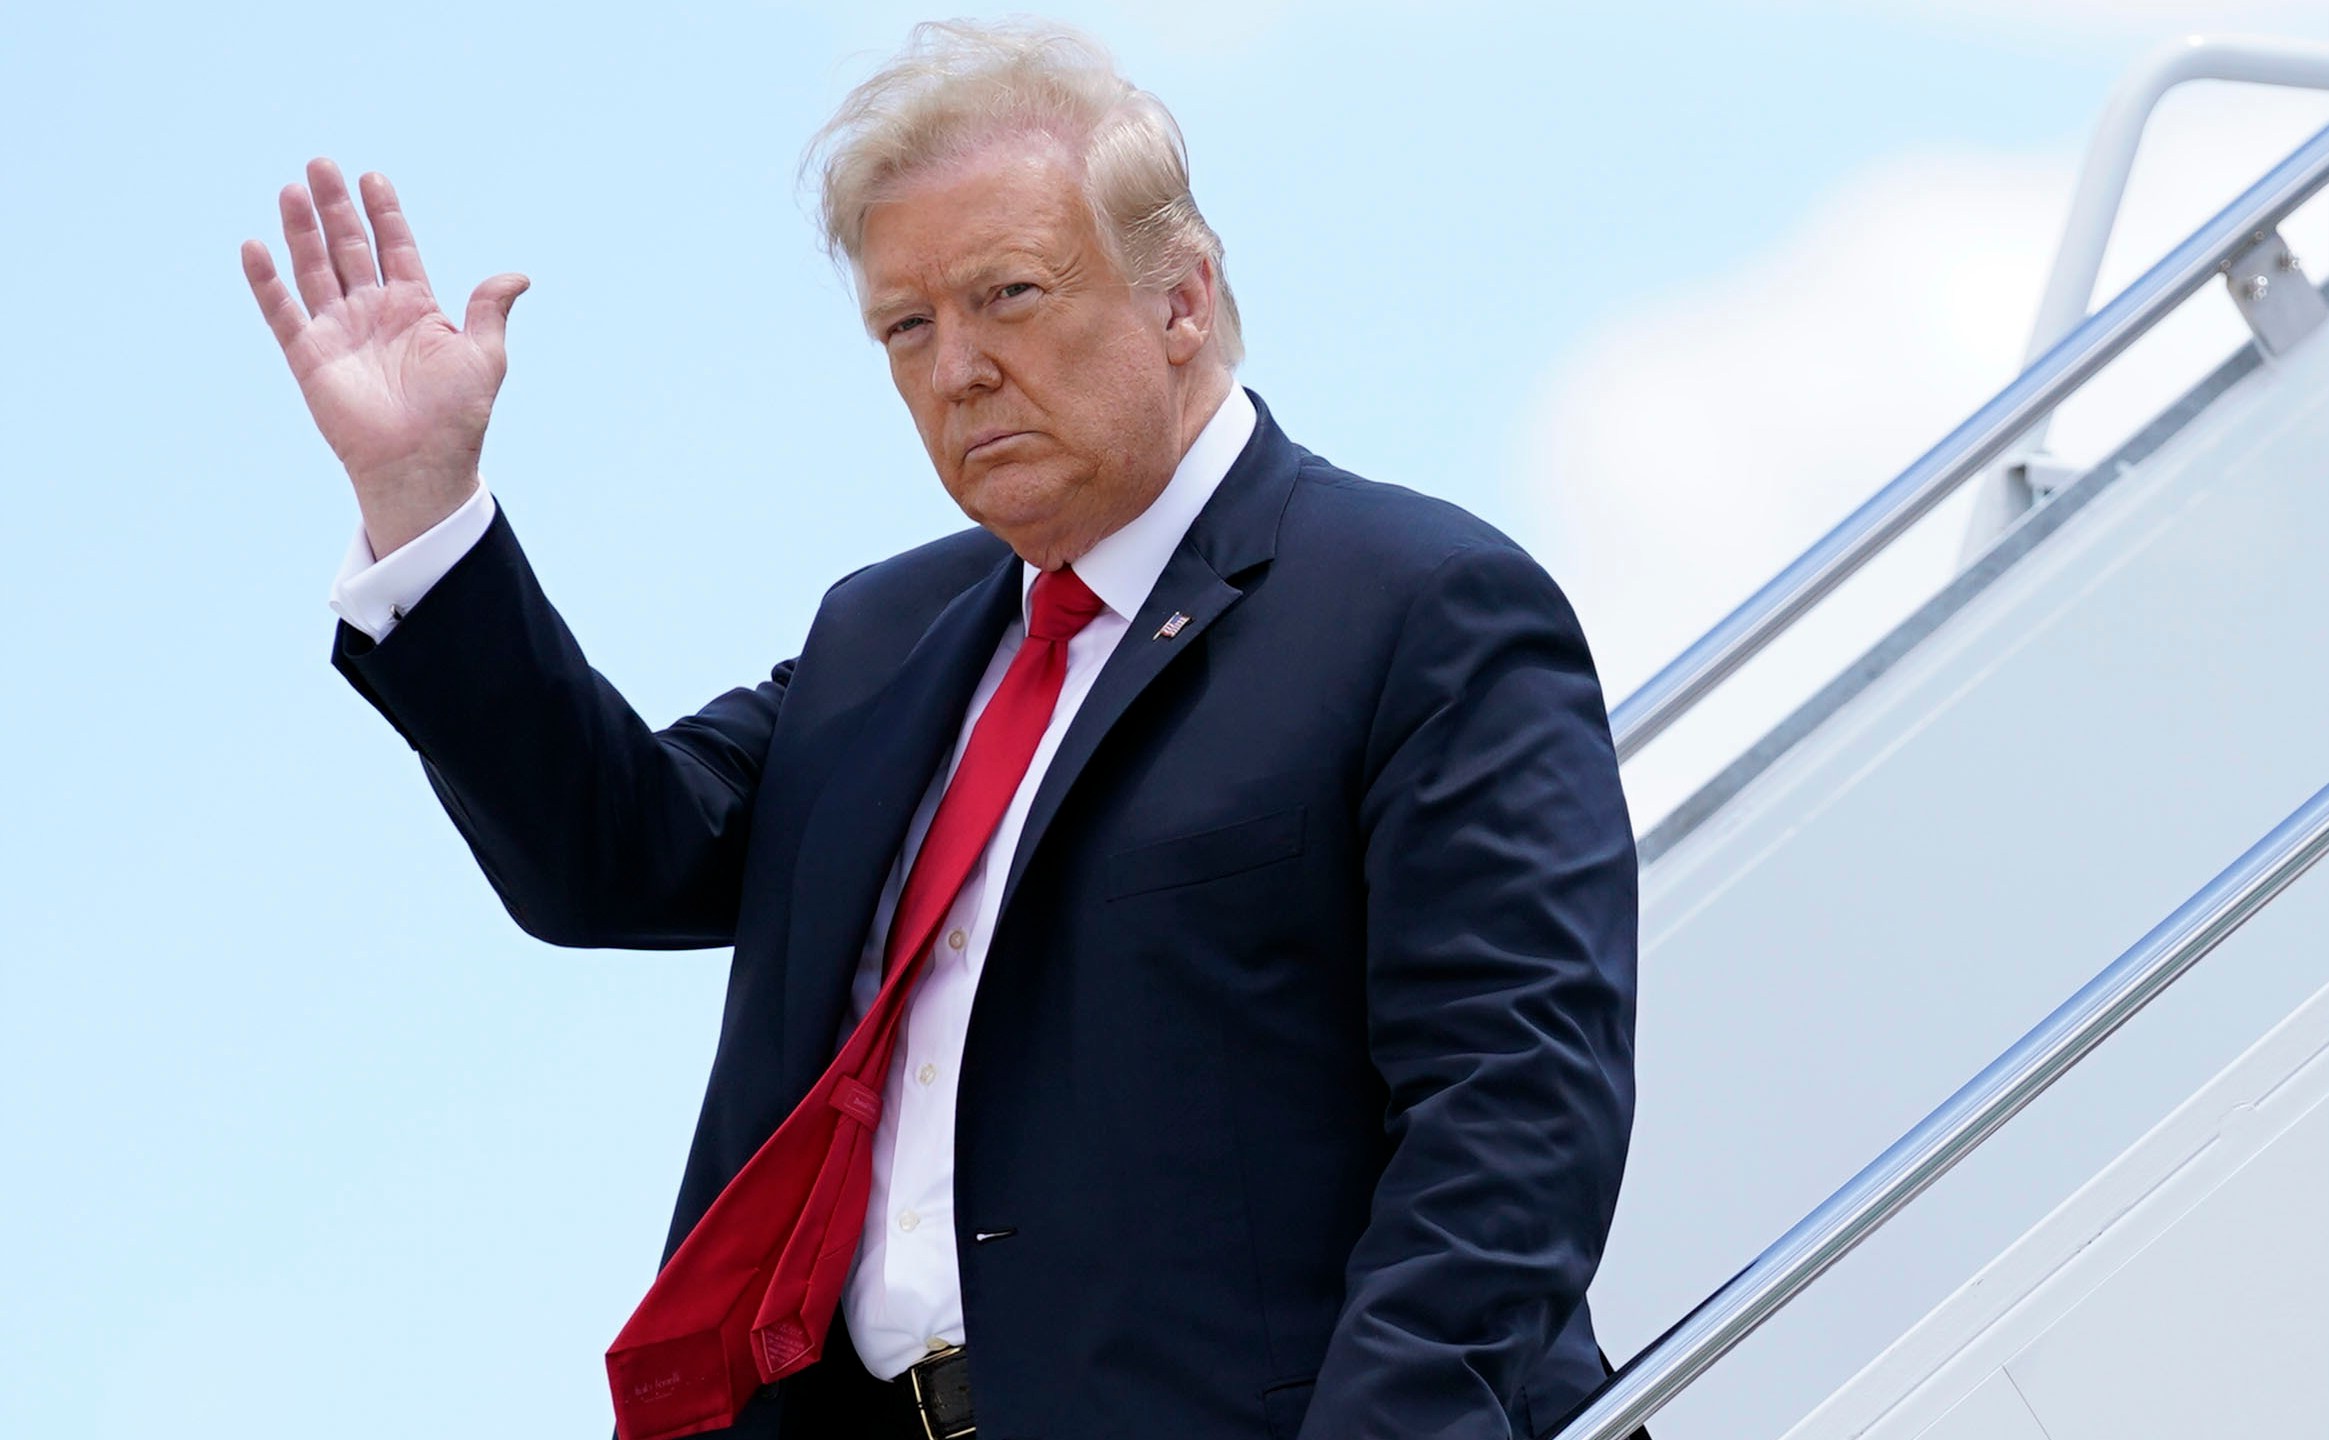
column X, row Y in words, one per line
column 401, row 395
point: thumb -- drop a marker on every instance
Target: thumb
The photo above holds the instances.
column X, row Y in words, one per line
column 488, row 318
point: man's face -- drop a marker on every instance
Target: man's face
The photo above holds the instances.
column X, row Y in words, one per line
column 1043, row 385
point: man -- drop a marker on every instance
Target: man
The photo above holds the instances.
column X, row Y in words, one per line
column 1183, row 927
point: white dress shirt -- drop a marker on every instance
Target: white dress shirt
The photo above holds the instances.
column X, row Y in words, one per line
column 904, row 1295
column 373, row 593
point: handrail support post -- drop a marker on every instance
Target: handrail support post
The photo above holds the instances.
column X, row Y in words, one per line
column 2272, row 294
column 2021, row 479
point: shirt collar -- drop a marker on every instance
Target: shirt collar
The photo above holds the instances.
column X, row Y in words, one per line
column 1124, row 567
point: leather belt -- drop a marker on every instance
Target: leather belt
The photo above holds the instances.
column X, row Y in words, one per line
column 940, row 1385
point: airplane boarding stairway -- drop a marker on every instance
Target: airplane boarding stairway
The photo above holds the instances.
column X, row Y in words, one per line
column 2126, row 687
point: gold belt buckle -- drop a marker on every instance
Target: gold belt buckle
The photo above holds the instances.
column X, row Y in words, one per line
column 919, row 1373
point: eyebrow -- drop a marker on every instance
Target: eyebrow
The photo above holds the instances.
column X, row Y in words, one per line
column 882, row 308
column 892, row 302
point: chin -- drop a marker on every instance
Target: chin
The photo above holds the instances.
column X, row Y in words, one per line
column 1015, row 498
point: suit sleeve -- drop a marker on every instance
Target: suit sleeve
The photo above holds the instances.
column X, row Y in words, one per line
column 594, row 829
column 1501, row 913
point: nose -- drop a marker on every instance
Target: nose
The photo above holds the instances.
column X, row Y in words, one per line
column 960, row 365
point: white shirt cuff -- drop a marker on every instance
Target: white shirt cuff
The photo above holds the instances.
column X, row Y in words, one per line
column 373, row 594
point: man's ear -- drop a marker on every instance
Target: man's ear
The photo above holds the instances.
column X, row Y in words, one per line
column 1189, row 313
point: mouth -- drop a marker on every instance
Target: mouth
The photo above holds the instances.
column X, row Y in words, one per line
column 987, row 440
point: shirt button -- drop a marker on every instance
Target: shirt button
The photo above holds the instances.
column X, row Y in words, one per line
column 926, row 1074
column 956, row 940
column 909, row 1220
column 934, row 1344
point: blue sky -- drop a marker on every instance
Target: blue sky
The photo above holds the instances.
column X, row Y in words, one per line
column 298, row 1124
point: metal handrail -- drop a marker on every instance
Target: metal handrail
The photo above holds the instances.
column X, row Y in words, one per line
column 2094, row 213
column 2110, row 156
column 1926, row 1153
column 1840, row 554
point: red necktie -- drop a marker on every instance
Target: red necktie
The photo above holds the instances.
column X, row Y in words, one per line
column 748, row 1296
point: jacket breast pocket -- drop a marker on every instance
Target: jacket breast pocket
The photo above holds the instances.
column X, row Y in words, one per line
column 1206, row 855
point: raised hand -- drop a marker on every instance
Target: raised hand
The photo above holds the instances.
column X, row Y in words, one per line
column 401, row 396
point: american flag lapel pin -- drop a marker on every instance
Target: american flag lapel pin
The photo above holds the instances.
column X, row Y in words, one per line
column 1172, row 627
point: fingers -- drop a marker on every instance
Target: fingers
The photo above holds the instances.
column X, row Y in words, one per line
column 343, row 228
column 311, row 263
column 400, row 257
column 488, row 319
column 284, row 316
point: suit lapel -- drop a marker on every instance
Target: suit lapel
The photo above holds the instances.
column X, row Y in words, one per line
column 1235, row 532
column 1188, row 587
column 851, row 837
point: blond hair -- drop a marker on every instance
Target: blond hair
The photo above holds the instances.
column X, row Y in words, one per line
column 959, row 85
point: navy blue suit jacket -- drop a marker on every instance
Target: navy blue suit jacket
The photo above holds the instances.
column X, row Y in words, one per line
column 1300, row 1071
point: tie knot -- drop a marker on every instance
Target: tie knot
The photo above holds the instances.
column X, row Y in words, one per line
column 1060, row 605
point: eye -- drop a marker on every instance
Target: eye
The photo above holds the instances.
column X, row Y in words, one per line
column 911, row 322
column 1015, row 289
